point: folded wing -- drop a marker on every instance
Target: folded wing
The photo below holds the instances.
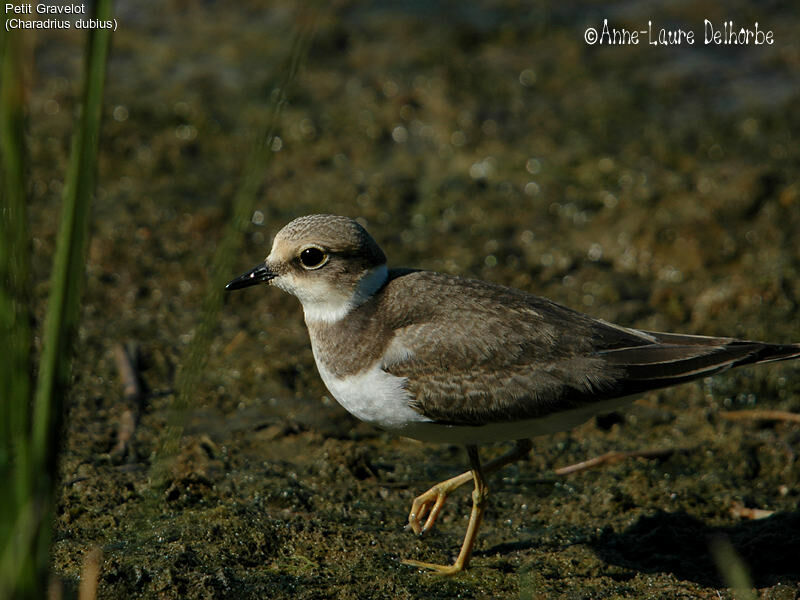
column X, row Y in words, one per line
column 510, row 355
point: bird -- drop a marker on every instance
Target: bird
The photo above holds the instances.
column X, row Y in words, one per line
column 441, row 358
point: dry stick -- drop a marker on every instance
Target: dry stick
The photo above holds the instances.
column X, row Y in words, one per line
column 90, row 573
column 613, row 457
column 741, row 511
column 132, row 395
column 737, row 510
column 736, row 415
column 766, row 415
column 55, row 588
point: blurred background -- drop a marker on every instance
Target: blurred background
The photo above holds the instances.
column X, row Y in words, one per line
column 657, row 187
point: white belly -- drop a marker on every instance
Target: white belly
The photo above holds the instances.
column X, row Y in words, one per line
column 374, row 396
column 379, row 398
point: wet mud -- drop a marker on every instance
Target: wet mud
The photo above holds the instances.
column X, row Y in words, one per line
column 656, row 187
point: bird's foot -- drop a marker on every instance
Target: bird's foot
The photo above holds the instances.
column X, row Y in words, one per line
column 434, row 569
column 427, row 505
column 431, row 502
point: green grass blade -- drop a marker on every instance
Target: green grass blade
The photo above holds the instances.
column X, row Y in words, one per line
column 732, row 568
column 63, row 310
column 15, row 319
column 68, row 265
column 223, row 262
column 15, row 378
column 15, row 370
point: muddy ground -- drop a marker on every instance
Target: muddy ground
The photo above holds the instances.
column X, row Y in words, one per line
column 652, row 186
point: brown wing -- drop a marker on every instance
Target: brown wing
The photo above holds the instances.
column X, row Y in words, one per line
column 484, row 353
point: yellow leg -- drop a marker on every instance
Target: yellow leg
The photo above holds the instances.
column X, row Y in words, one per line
column 479, row 496
column 434, row 498
column 431, row 502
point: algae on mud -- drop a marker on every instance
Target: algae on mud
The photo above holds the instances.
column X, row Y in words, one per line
column 655, row 188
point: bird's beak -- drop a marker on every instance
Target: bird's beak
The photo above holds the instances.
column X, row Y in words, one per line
column 259, row 274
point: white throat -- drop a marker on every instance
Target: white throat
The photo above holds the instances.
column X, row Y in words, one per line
column 330, row 307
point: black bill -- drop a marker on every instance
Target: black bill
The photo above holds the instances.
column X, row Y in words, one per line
column 260, row 274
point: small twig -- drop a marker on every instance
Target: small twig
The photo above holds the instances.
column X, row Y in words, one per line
column 90, row 574
column 764, row 415
column 614, row 457
column 741, row 511
column 55, row 588
column 131, row 388
column 235, row 342
column 132, row 395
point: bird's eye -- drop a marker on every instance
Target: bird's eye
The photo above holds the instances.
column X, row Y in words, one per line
column 313, row 258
